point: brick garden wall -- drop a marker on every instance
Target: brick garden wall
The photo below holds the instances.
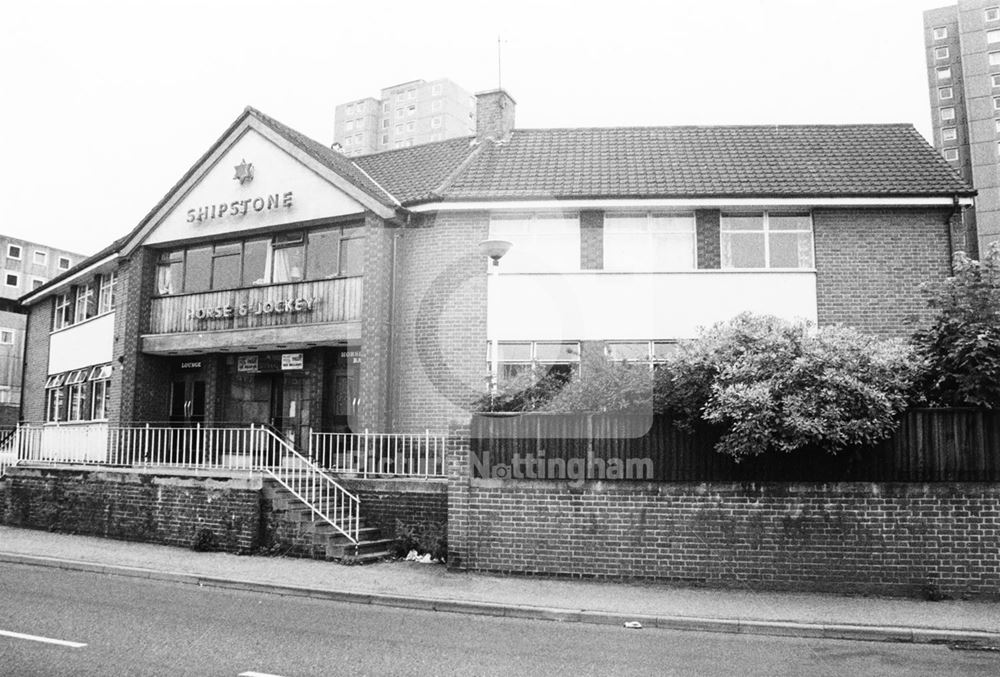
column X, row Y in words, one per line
column 167, row 509
column 387, row 504
column 893, row 539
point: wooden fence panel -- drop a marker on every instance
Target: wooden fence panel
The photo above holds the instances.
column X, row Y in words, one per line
column 930, row 445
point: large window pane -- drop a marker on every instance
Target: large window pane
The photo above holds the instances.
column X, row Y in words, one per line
column 514, row 352
column 170, row 273
column 743, row 250
column 323, row 255
column 198, row 269
column 791, row 250
column 743, row 222
column 226, row 272
column 628, row 350
column 542, row 243
column 255, row 262
column 288, row 263
column 352, row 256
column 789, row 222
column 557, row 352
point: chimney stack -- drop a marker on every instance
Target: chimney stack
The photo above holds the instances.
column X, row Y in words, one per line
column 494, row 115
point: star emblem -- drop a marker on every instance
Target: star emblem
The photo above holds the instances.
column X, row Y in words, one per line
column 244, row 172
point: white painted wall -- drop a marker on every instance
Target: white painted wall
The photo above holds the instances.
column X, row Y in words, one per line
column 275, row 171
column 618, row 306
column 82, row 345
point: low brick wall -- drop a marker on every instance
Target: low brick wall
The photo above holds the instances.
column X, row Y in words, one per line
column 129, row 505
column 388, row 503
column 896, row 539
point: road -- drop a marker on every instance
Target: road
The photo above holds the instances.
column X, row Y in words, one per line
column 137, row 627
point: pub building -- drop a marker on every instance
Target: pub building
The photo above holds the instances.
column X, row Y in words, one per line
column 280, row 282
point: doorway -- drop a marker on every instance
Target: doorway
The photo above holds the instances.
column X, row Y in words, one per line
column 187, row 399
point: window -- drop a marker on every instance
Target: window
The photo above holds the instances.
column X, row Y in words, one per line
column 170, row 273
column 226, row 261
column 951, row 154
column 6, row 337
column 385, row 107
column 995, row 58
column 996, row 124
column 767, row 240
column 411, row 93
column 198, row 269
column 941, row 33
column 944, row 73
column 13, row 252
column 436, row 90
column 63, row 263
column 652, row 353
column 996, row 103
column 436, row 105
column 436, row 122
column 86, row 303
column 400, row 113
column 411, row 110
column 649, row 242
column 288, row 254
column 37, row 282
column 992, row 37
column 385, row 123
column 63, row 311
column 54, row 401
column 992, row 13
column 40, row 258
column 949, row 134
column 335, row 252
column 77, row 394
column 948, row 113
column 349, row 126
column 542, row 242
column 106, row 292
column 12, row 280
column 399, row 130
column 945, row 93
column 350, row 109
column 940, row 52
column 385, row 139
column 100, row 385
column 558, row 359
column 411, row 126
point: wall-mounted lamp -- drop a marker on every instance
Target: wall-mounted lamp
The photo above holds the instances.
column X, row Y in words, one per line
column 494, row 249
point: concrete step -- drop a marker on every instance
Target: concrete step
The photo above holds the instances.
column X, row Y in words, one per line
column 340, row 549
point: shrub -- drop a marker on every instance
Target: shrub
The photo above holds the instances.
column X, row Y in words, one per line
column 961, row 347
column 771, row 385
column 424, row 537
column 205, row 541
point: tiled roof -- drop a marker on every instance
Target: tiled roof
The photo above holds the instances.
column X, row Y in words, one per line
column 412, row 174
column 674, row 162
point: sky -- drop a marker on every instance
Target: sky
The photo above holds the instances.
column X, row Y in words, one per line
column 107, row 103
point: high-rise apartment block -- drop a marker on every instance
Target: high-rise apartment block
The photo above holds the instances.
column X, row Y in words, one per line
column 963, row 72
column 405, row 115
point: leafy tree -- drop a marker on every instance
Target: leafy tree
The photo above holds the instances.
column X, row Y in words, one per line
column 961, row 346
column 767, row 384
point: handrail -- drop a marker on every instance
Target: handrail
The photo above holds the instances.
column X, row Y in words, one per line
column 323, row 495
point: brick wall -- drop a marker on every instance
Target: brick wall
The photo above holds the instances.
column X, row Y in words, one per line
column 708, row 241
column 591, row 240
column 388, row 503
column 36, row 361
column 439, row 354
column 375, row 324
column 870, row 264
column 890, row 539
column 160, row 508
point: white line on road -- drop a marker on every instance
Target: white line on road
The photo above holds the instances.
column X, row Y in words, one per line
column 250, row 673
column 47, row 640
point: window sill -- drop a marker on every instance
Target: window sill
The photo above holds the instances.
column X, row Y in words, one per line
column 262, row 285
column 73, row 424
column 691, row 271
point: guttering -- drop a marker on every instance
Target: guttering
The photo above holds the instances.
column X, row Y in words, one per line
column 31, row 297
column 689, row 203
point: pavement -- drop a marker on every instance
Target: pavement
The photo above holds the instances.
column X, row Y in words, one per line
column 433, row 587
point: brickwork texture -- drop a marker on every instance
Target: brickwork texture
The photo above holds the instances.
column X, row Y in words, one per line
column 903, row 539
column 170, row 510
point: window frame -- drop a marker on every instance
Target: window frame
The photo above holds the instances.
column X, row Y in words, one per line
column 991, row 13
column 950, row 154
column 45, row 257
column 6, row 330
column 942, row 91
column 650, row 244
column 766, row 230
column 59, row 263
column 534, row 363
column 529, row 239
column 939, row 32
column 949, row 133
column 20, row 252
column 7, row 275
column 941, row 53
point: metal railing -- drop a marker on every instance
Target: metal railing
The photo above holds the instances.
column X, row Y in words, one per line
column 253, row 448
column 327, row 499
column 381, row 454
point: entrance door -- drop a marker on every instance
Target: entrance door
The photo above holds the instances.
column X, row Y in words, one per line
column 187, row 399
column 289, row 406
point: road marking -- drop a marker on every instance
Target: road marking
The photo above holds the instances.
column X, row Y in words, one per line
column 251, row 673
column 47, row 640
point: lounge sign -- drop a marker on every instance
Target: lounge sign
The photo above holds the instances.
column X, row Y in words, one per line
column 267, row 307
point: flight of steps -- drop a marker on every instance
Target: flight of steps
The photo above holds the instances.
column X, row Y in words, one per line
column 294, row 532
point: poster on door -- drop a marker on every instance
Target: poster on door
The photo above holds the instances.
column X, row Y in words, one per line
column 247, row 363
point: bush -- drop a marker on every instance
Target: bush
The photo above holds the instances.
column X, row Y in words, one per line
column 771, row 385
column 961, row 347
column 205, row 541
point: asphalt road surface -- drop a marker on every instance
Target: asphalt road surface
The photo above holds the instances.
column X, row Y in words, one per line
column 55, row 622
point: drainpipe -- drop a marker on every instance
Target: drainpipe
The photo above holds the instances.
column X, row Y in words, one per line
column 390, row 389
column 955, row 209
